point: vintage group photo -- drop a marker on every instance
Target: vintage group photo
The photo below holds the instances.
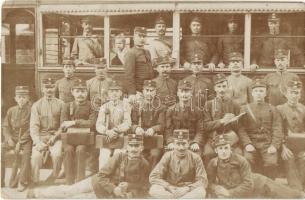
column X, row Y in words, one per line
column 136, row 99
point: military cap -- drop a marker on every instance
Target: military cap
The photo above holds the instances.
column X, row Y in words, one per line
column 294, row 85
column 181, row 134
column 186, row 85
column 258, row 83
column 68, row 62
column 273, row 17
column 196, row 19
column 232, row 18
column 196, row 59
column 135, row 139
column 48, row 81
column 114, row 85
column 219, row 78
column 79, row 83
column 22, row 89
column 280, row 53
column 164, row 60
column 236, row 56
column 160, row 20
column 150, row 83
column 102, row 64
column 220, row 140
column 140, row 30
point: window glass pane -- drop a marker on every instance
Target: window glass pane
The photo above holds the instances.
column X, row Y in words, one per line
column 271, row 32
column 25, row 44
column 5, row 44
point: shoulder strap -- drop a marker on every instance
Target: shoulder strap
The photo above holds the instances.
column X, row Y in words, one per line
column 251, row 112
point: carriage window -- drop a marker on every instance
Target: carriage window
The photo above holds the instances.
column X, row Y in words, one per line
column 212, row 37
column 278, row 31
column 158, row 41
column 5, row 44
column 25, row 44
column 76, row 37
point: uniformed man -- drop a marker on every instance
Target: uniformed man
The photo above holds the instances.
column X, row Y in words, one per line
column 229, row 43
column 293, row 115
column 264, row 47
column 124, row 176
column 180, row 173
column 197, row 44
column 260, row 131
column 202, row 87
column 148, row 119
column 16, row 131
column 184, row 115
column 79, row 114
column 113, row 120
column 138, row 65
column 221, row 115
column 44, row 126
column 160, row 46
column 63, row 86
column 230, row 176
column 239, row 84
column 88, row 48
column 166, row 86
column 277, row 81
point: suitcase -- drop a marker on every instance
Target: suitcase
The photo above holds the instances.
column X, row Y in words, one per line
column 78, row 136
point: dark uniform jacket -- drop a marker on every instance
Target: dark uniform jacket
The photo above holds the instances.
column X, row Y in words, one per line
column 184, row 118
column 138, row 68
column 17, row 121
column 176, row 171
column 120, row 169
column 198, row 45
column 166, row 90
column 264, row 129
column 227, row 44
column 234, row 174
column 148, row 116
column 63, row 89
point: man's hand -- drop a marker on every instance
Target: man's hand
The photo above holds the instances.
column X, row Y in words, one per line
column 150, row 132
column 139, row 131
column 194, row 147
column 180, row 191
column 171, row 189
column 227, row 118
column 67, row 124
column 111, row 135
column 170, row 146
column 11, row 142
column 271, row 149
column 51, row 141
column 249, row 148
column 221, row 65
column 286, row 153
column 221, row 191
column 41, row 146
column 117, row 191
column 253, row 67
column 211, row 66
column 17, row 148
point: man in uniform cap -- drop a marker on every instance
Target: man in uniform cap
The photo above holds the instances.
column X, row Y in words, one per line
column 201, row 85
column 63, row 86
column 166, row 86
column 113, row 120
column 124, row 176
column 230, row 176
column 293, row 115
column 239, row 84
column 160, row 46
column 277, row 81
column 148, row 118
column 78, row 114
column 97, row 88
column 197, row 44
column 16, row 131
column 88, row 48
column 229, row 42
column 260, row 131
column 263, row 47
column 184, row 115
column 180, row 173
column 44, row 130
column 221, row 115
column 138, row 66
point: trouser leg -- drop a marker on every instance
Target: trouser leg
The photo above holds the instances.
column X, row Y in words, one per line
column 80, row 162
column 25, row 165
column 208, row 152
column 104, row 156
column 3, row 152
column 292, row 174
column 93, row 159
column 56, row 155
column 197, row 193
column 36, row 162
column 159, row 192
column 69, row 163
column 270, row 163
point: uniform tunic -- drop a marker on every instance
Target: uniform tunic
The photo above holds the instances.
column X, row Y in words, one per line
column 160, row 47
column 166, row 90
column 240, row 89
column 63, row 89
column 138, row 68
column 198, row 45
column 98, row 90
column 121, row 169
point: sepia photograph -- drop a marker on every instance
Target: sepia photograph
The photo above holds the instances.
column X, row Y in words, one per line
column 141, row 99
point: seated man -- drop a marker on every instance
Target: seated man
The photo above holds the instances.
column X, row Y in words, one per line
column 124, row 176
column 78, row 114
column 293, row 115
column 230, row 176
column 180, row 173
